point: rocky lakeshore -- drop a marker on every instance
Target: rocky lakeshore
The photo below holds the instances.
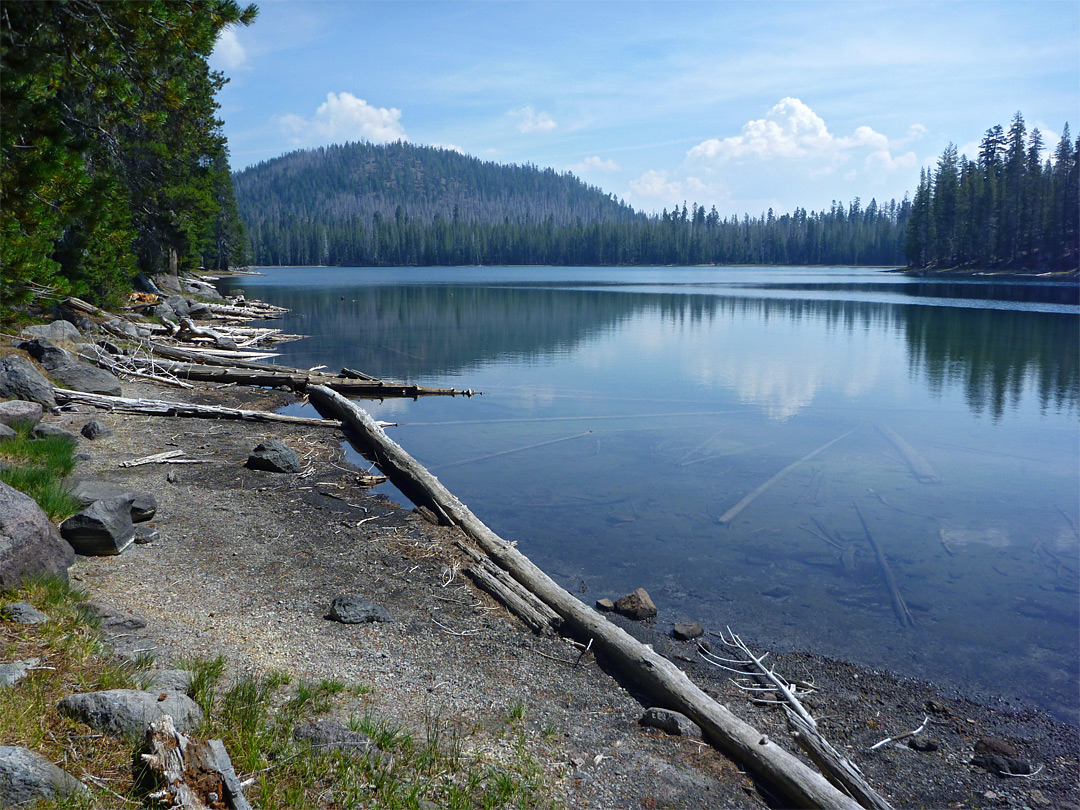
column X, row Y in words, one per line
column 296, row 565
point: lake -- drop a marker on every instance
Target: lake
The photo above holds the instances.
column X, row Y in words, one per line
column 628, row 412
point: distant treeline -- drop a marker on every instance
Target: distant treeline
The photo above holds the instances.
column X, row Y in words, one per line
column 400, row 204
column 112, row 159
column 1009, row 208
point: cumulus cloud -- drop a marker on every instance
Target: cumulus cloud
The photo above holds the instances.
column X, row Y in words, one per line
column 655, row 185
column 529, row 120
column 344, row 117
column 449, row 147
column 595, row 164
column 791, row 130
column 228, row 52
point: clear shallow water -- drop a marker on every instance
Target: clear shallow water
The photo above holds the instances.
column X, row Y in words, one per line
column 626, row 410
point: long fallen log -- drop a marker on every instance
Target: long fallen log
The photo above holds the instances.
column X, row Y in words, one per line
column 919, row 466
column 516, row 597
column 668, row 685
column 159, row 407
column 734, row 511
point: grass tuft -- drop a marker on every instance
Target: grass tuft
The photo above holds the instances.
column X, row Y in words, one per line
column 38, row 467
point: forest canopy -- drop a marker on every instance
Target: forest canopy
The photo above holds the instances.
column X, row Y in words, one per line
column 113, row 159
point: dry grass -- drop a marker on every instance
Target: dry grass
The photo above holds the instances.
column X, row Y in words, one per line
column 254, row 716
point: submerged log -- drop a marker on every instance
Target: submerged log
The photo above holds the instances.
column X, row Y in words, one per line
column 667, row 685
column 899, row 605
column 919, row 466
column 734, row 511
column 159, row 407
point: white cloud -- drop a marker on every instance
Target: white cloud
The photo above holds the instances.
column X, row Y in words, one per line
column 595, row 164
column 791, row 130
column 344, row 117
column 228, row 52
column 529, row 120
column 449, row 147
column 654, row 185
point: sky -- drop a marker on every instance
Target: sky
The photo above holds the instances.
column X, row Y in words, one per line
column 741, row 105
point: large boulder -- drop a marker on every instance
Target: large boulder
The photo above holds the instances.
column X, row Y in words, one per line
column 118, row 326
column 127, row 712
column 89, row 490
column 77, row 376
column 166, row 282
column 102, row 529
column 47, row 353
column 276, row 456
column 58, row 331
column 20, row 380
column 27, row 777
column 20, row 412
column 193, row 286
column 144, row 284
column 178, row 305
column 30, row 544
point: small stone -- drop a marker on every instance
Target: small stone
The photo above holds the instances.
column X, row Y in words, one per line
column 14, row 671
column 23, row 613
column 998, row 757
column 605, row 605
column 144, row 535
column 275, row 456
column 637, row 605
column 670, row 722
column 925, row 744
column 43, row 431
column 686, row 631
column 173, row 477
column 6, row 432
column 96, row 430
column 352, row 609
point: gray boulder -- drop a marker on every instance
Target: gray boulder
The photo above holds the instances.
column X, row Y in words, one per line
column 77, row 376
column 193, row 286
column 89, row 490
column 166, row 282
column 275, row 456
column 685, row 631
column 199, row 310
column 96, row 430
column 678, row 725
column 44, row 431
column 20, row 380
column 102, row 529
column 47, row 353
column 165, row 312
column 127, row 712
column 20, row 412
column 127, row 329
column 637, row 605
column 22, row 613
column 57, row 331
column 27, row 777
column 30, row 544
column 14, row 671
column 178, row 305
column 144, row 284
column 332, row 735
column 352, row 609
column 6, row 433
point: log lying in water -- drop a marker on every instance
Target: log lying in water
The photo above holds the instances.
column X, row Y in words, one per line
column 899, row 605
column 666, row 683
column 918, row 465
column 160, row 407
column 734, row 511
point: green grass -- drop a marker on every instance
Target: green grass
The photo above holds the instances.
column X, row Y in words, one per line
column 38, row 467
column 254, row 715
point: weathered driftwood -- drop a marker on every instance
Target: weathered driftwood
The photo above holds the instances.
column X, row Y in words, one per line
column 734, row 511
column 178, row 771
column 837, row 768
column 918, row 465
column 519, row 600
column 899, row 605
column 353, row 374
column 666, row 683
column 159, row 407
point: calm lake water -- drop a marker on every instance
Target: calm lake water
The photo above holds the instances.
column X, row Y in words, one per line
column 626, row 411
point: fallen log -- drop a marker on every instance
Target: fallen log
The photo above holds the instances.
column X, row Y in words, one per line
column 899, row 605
column 919, row 466
column 178, row 771
column 668, row 685
column 508, row 591
column 734, row 511
column 159, row 407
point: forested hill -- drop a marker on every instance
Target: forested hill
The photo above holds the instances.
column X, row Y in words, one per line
column 356, row 181
column 402, row 204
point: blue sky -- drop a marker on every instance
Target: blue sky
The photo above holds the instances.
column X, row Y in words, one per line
column 742, row 105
